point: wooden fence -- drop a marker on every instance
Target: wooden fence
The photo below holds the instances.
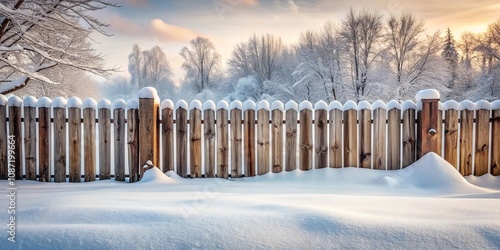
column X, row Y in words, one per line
column 44, row 139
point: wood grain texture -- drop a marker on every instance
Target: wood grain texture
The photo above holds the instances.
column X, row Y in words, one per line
column 306, row 140
column 321, row 138
column 4, row 174
column 451, row 137
column 89, row 146
column 209, row 142
column 409, row 137
column 75, row 144
column 236, row 143
column 148, row 132
column 429, row 117
column 195, row 143
column 167, row 139
column 181, row 140
column 119, row 144
column 222, row 144
column 365, row 138
column 336, row 138
column 291, row 140
column 104, row 116
column 249, row 142
column 277, row 140
column 44, row 146
column 482, row 142
column 394, row 139
column 466, row 126
column 379, row 138
column 350, row 138
column 15, row 131
column 262, row 141
column 59, row 144
column 133, row 144
column 30, row 142
column 495, row 143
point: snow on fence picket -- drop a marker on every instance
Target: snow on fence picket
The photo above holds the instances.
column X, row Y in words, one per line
column 240, row 139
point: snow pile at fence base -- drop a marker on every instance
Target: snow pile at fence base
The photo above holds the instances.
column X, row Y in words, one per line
column 156, row 176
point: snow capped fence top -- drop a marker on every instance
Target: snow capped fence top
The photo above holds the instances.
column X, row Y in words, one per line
column 266, row 137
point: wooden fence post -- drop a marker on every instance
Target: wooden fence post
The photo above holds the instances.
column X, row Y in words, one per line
column 249, row 137
column 483, row 109
column 306, row 137
column 350, row 134
column 3, row 138
column 209, row 139
column 181, row 127
column 466, row 135
column 222, row 140
column 394, row 135
column 277, row 136
column 167, row 135
column 30, row 137
column 409, row 137
column 75, row 139
column 428, row 128
column 133, row 140
column 291, row 108
column 104, row 116
column 495, row 138
column 119, row 106
column 451, row 109
column 89, row 139
column 195, row 138
column 44, row 135
column 149, row 103
column 236, row 138
column 379, row 135
column 365, row 134
column 335, row 136
column 15, row 103
column 59, row 111
column 263, row 137
column 321, row 131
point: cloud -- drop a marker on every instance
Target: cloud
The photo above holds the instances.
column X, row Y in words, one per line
column 171, row 33
column 118, row 24
column 286, row 5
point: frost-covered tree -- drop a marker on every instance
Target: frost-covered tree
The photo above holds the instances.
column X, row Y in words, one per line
column 37, row 35
column 450, row 55
column 201, row 63
column 362, row 32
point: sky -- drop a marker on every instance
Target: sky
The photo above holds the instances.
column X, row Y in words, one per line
column 171, row 24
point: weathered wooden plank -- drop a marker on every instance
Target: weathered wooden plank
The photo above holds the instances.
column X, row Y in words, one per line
column 15, row 150
column 409, row 137
column 495, row 142
column 236, row 143
column 249, row 142
column 119, row 141
column 291, row 140
column 104, row 115
column 89, row 146
column 182, row 145
column 482, row 142
column 133, row 144
column 439, row 129
column 321, row 142
column 210, row 138
column 222, row 143
column 195, row 143
column 335, row 138
column 394, row 139
column 350, row 138
column 75, row 140
column 148, row 132
column 44, row 146
column 262, row 141
column 30, row 140
column 306, row 140
column 167, row 137
column 451, row 137
column 3, row 139
column 59, row 144
column 466, row 126
column 430, row 127
column 277, row 140
column 365, row 138
column 379, row 138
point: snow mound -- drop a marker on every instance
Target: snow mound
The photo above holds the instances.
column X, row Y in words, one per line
column 59, row 102
column 427, row 94
column 350, row 105
column 321, row 105
column 104, row 104
column 15, row 101
column 156, row 176
column 495, row 105
column 451, row 104
column 277, row 105
column 379, row 104
column 485, row 181
column 148, row 93
column 393, row 105
column 167, row 104
column 305, row 105
column 236, row 105
column 119, row 104
column 222, row 105
column 181, row 104
column 263, row 105
column 44, row 102
column 433, row 173
column 89, row 103
column 335, row 105
column 195, row 104
column 467, row 105
column 133, row 104
column 291, row 105
column 30, row 101
column 364, row 105
column 409, row 104
column 483, row 104
column 248, row 104
column 209, row 105
column 74, row 102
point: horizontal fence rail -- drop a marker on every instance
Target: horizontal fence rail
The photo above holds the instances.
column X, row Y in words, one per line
column 69, row 140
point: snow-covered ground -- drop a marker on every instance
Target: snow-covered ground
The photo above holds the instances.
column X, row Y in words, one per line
column 425, row 206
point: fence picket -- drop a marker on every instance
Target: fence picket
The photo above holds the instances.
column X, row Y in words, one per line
column 15, row 130
column 321, row 129
column 74, row 140
column 236, row 141
column 277, row 139
column 182, row 133
column 335, row 135
column 291, row 137
column 167, row 135
column 409, row 128
column 482, row 141
column 133, row 141
column 379, row 137
column 104, row 116
column 394, row 137
column 210, row 137
column 466, row 125
column 119, row 139
column 249, row 139
column 30, row 137
column 451, row 135
column 306, row 138
column 44, row 135
column 262, row 141
column 495, row 139
column 195, row 142
column 365, row 137
column 350, row 136
column 89, row 135
column 59, row 111
column 222, row 142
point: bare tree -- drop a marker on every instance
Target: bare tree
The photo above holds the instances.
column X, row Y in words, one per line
column 36, row 35
column 201, row 62
column 362, row 31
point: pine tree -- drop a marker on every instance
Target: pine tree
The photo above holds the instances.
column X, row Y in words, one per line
column 450, row 55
